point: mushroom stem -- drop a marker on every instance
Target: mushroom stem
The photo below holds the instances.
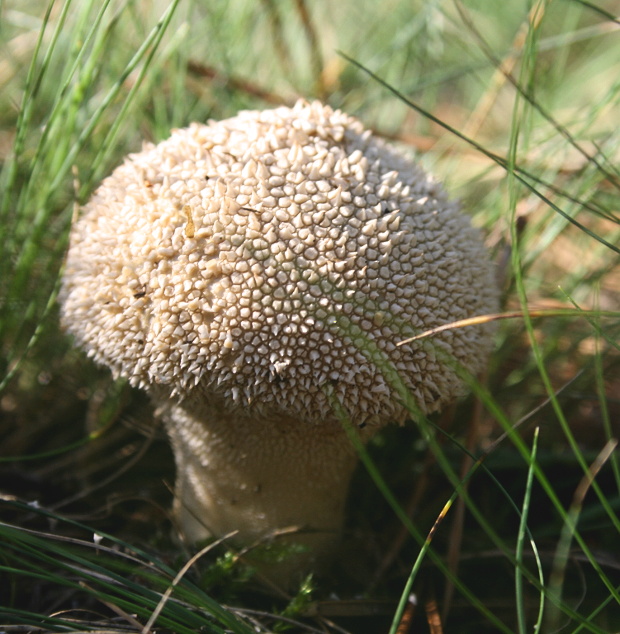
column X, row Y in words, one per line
column 258, row 477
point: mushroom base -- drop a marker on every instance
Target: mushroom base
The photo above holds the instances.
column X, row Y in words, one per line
column 276, row 481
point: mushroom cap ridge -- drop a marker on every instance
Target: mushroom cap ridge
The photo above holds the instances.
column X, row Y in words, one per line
column 264, row 261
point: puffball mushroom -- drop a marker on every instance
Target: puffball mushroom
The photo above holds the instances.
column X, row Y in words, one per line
column 256, row 276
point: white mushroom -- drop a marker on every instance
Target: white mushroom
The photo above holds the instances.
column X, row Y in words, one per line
column 248, row 274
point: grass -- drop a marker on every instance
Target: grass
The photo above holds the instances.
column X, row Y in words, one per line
column 503, row 513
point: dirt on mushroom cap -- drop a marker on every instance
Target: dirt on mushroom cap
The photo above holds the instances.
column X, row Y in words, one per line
column 273, row 261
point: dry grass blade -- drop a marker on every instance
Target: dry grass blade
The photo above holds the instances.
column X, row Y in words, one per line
column 182, row 572
column 316, row 55
column 484, row 319
column 235, row 83
column 433, row 617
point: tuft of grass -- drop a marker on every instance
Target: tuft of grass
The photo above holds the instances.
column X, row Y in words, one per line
column 500, row 515
column 110, row 573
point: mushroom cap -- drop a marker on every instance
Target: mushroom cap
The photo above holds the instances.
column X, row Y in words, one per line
column 272, row 262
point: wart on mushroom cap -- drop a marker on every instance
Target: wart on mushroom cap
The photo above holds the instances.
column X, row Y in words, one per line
column 251, row 272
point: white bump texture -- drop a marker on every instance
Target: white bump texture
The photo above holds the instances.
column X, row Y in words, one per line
column 268, row 260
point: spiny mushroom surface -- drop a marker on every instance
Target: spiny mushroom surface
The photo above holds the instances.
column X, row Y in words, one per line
column 252, row 272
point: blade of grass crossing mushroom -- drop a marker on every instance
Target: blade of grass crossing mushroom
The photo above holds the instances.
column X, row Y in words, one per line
column 482, row 319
